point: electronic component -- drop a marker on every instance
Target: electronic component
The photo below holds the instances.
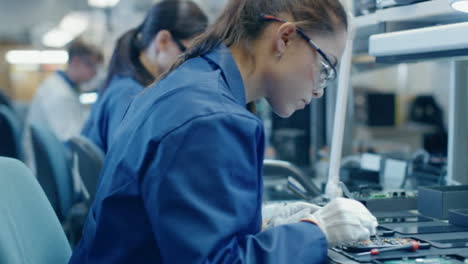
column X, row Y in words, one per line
column 412, row 246
column 398, row 214
column 407, row 219
column 387, row 233
column 374, row 243
column 396, row 200
column 416, row 229
column 451, row 259
column 386, row 195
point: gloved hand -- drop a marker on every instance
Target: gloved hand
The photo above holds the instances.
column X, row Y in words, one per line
column 343, row 221
column 285, row 213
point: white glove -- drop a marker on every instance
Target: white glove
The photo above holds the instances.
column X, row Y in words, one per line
column 344, row 220
column 285, row 213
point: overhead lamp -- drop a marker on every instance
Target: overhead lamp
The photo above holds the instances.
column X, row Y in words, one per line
column 103, row 3
column 57, row 38
column 54, row 56
column 71, row 26
column 23, row 57
column 74, row 23
column 36, row 57
column 459, row 5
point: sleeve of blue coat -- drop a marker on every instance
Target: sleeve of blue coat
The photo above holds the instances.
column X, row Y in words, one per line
column 95, row 124
column 203, row 194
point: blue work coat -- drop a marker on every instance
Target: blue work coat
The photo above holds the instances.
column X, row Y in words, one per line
column 109, row 110
column 182, row 181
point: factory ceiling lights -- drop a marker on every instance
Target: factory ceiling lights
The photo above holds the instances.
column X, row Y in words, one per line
column 103, row 3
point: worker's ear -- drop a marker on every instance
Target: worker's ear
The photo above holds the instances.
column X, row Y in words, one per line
column 283, row 38
column 162, row 41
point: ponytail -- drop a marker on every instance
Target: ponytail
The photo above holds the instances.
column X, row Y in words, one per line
column 240, row 24
column 125, row 60
column 184, row 19
column 216, row 34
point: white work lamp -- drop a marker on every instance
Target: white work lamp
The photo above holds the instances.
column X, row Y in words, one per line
column 459, row 5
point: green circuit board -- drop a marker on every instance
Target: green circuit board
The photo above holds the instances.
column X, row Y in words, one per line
column 386, row 194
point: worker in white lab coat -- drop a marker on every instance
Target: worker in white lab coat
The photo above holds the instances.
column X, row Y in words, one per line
column 56, row 104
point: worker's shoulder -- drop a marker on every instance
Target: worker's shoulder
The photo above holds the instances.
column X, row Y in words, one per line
column 198, row 110
column 54, row 88
column 123, row 83
column 215, row 126
column 120, row 91
column 194, row 75
column 54, row 83
column 186, row 117
column 194, row 89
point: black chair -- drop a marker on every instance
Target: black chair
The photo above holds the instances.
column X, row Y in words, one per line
column 284, row 181
column 10, row 134
column 5, row 100
column 59, row 170
column 53, row 169
column 87, row 163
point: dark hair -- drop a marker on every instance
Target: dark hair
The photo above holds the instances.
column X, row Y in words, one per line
column 79, row 48
column 183, row 19
column 240, row 23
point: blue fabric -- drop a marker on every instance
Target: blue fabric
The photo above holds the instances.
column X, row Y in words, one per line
column 90, row 160
column 109, row 110
column 52, row 168
column 29, row 229
column 182, row 182
column 10, row 134
column 69, row 81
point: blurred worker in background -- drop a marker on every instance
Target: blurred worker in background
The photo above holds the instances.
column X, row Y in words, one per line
column 56, row 104
column 141, row 55
column 182, row 181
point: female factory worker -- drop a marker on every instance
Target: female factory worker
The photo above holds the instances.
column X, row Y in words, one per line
column 141, row 55
column 182, row 182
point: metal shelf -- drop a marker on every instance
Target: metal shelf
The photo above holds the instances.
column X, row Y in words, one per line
column 419, row 15
column 435, row 11
column 426, row 16
column 423, row 43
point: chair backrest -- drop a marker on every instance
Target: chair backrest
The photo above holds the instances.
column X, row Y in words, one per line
column 29, row 229
column 52, row 169
column 274, row 169
column 10, row 134
column 5, row 100
column 90, row 159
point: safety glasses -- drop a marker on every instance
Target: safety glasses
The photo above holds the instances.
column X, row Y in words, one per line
column 328, row 70
column 179, row 44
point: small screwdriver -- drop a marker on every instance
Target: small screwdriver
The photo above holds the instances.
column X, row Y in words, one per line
column 413, row 246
